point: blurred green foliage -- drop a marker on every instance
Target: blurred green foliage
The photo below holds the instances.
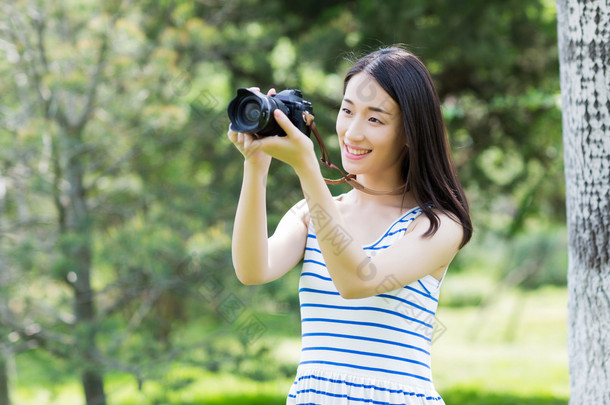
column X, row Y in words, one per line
column 120, row 106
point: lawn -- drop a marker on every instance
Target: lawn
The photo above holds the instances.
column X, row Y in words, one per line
column 511, row 349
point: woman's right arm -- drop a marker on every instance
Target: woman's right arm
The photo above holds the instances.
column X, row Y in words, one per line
column 258, row 259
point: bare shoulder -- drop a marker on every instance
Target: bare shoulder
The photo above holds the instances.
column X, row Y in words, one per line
column 449, row 233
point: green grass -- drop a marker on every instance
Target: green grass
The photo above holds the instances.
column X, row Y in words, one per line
column 481, row 397
column 511, row 350
column 516, row 344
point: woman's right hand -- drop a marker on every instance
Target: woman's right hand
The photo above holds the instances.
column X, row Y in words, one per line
column 248, row 144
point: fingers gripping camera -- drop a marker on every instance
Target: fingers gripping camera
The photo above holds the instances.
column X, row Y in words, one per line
column 252, row 112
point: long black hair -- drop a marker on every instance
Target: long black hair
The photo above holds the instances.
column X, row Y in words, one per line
column 427, row 169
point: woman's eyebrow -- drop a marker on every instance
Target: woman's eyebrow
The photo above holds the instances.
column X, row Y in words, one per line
column 371, row 108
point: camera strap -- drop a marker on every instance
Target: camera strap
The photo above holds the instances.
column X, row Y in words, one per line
column 347, row 178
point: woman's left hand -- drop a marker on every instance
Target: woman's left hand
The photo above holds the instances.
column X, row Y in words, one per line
column 296, row 149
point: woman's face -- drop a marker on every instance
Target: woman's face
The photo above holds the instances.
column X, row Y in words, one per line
column 369, row 126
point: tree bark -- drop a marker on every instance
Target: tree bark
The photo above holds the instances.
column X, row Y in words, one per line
column 4, row 397
column 584, row 51
column 4, row 378
column 79, row 250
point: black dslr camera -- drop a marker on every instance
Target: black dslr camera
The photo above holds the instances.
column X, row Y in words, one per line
column 252, row 112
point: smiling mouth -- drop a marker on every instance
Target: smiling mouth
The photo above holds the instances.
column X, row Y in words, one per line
column 357, row 152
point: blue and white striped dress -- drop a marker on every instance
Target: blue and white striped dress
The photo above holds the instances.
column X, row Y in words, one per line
column 373, row 350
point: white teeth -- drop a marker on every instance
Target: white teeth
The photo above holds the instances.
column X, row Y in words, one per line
column 357, row 151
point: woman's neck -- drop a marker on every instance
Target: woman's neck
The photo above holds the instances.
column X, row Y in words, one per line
column 401, row 202
column 383, row 182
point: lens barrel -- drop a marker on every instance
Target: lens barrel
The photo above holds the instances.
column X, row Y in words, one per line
column 252, row 112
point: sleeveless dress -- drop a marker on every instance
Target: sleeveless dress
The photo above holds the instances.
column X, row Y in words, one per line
column 373, row 350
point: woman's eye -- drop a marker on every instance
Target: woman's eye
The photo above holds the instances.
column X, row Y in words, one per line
column 346, row 110
column 375, row 120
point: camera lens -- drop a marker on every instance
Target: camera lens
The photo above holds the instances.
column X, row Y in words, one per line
column 252, row 112
column 248, row 113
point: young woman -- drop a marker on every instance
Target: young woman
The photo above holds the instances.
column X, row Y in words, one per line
column 373, row 260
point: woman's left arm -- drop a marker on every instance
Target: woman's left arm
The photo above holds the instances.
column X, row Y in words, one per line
column 353, row 273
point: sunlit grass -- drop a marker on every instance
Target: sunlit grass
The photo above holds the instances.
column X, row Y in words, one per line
column 515, row 344
column 186, row 385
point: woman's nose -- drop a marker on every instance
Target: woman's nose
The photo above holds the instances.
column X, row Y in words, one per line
column 354, row 131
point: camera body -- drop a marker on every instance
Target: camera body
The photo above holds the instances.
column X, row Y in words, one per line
column 252, row 111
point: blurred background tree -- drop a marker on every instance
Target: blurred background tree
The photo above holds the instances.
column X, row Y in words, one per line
column 118, row 186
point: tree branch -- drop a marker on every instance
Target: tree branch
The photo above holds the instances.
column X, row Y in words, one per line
column 58, row 344
column 97, row 74
column 93, row 86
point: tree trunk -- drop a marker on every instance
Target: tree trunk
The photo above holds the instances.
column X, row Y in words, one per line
column 94, row 388
column 77, row 248
column 584, row 51
column 92, row 377
column 4, row 397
